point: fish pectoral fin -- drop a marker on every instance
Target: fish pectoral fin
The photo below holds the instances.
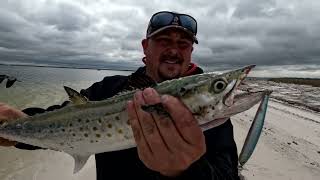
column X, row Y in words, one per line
column 79, row 162
column 75, row 97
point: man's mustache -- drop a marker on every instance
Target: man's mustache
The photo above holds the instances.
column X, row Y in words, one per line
column 171, row 57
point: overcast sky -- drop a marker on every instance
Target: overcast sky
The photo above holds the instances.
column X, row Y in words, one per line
column 231, row 33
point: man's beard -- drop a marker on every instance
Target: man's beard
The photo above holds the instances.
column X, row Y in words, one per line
column 165, row 77
column 171, row 58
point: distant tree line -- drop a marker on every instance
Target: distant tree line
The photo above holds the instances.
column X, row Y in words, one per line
column 302, row 81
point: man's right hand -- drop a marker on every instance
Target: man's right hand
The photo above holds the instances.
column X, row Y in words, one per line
column 8, row 113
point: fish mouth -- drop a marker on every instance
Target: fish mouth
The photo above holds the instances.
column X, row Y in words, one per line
column 229, row 97
column 242, row 102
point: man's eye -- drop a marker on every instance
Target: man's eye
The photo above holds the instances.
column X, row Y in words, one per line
column 163, row 41
column 183, row 44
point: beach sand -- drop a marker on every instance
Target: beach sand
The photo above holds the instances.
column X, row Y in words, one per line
column 289, row 148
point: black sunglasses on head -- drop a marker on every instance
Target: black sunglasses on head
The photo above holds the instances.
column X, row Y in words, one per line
column 166, row 18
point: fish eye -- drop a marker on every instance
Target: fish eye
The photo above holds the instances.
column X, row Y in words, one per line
column 218, row 86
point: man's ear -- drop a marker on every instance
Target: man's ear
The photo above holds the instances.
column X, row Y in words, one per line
column 144, row 60
column 144, row 44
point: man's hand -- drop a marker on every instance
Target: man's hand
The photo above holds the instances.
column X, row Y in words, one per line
column 7, row 113
column 166, row 145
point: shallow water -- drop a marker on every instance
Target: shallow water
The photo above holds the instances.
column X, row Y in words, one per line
column 43, row 86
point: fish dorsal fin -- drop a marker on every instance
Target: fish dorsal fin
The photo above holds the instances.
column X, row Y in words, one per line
column 75, row 97
column 79, row 162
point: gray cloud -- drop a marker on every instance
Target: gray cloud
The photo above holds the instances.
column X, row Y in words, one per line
column 231, row 33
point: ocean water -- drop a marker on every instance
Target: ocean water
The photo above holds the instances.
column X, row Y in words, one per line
column 43, row 86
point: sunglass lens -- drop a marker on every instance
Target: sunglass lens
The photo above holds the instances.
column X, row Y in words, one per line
column 161, row 19
column 188, row 23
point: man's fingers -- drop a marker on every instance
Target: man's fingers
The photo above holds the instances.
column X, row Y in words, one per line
column 148, row 126
column 142, row 145
column 8, row 113
column 5, row 142
column 183, row 119
column 167, row 129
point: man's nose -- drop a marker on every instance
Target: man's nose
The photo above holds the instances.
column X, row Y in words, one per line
column 173, row 49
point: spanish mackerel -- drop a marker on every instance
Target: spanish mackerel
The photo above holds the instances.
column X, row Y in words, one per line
column 84, row 127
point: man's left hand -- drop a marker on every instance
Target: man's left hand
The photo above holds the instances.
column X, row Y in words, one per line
column 168, row 145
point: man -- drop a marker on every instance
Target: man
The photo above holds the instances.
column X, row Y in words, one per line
column 167, row 148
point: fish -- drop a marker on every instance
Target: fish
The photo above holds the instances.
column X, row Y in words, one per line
column 10, row 80
column 83, row 127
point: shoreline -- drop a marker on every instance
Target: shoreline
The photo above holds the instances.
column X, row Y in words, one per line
column 65, row 67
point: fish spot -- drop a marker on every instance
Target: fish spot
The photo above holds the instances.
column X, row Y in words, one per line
column 73, row 134
column 120, row 131
column 117, row 118
column 99, row 120
column 79, row 120
column 94, row 128
column 87, row 121
column 98, row 135
column 62, row 144
column 91, row 141
column 182, row 90
column 212, row 107
column 81, row 129
column 50, row 125
column 63, row 130
column 70, row 124
column 51, row 131
column 109, row 135
column 109, row 125
column 86, row 135
column 97, row 141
